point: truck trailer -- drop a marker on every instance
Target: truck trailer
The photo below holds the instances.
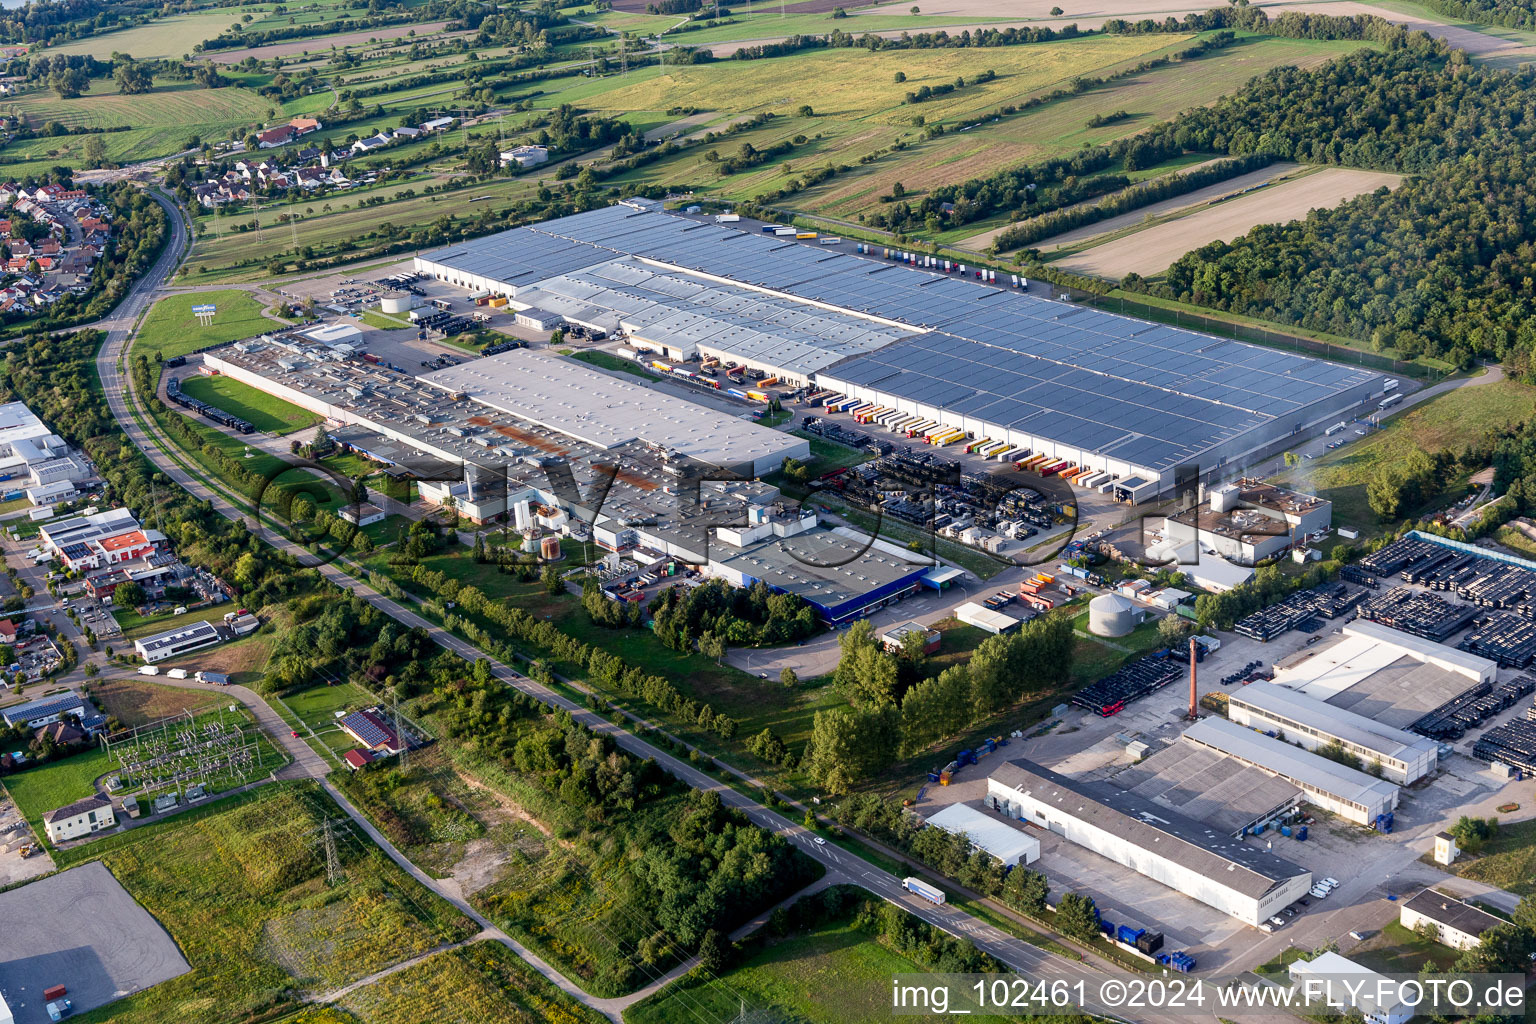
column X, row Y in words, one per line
column 918, row 887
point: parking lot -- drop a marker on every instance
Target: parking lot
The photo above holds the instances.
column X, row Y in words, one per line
column 81, row 929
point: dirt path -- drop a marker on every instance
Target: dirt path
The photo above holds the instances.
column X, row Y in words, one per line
column 1155, row 249
column 1133, row 217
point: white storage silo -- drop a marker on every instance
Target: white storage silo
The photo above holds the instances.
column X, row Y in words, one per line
column 1111, row 615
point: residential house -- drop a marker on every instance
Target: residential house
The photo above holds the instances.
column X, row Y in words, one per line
column 275, row 137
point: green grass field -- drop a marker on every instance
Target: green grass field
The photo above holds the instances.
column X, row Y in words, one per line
column 42, row 788
column 1450, row 420
column 246, row 900
column 136, row 626
column 835, row 974
column 264, row 411
column 482, row 982
column 1507, row 861
column 170, row 329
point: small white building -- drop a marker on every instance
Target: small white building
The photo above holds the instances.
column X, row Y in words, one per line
column 538, row 319
column 80, row 818
column 1010, row 845
column 178, row 642
column 973, row 614
column 1457, row 924
column 1332, row 978
column 365, row 514
column 334, row 334
column 525, row 156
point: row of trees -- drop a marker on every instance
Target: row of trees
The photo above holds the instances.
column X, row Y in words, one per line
column 608, row 671
column 1033, row 230
column 848, row 746
column 692, row 865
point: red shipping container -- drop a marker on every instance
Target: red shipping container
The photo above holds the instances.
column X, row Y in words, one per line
column 55, row 992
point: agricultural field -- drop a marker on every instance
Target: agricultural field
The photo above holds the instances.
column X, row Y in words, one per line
column 170, row 329
column 135, row 701
column 1082, row 237
column 1450, row 420
column 160, row 123
column 1154, row 249
column 263, row 411
column 243, row 892
column 162, row 37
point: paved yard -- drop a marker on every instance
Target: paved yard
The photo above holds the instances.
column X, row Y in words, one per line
column 82, row 930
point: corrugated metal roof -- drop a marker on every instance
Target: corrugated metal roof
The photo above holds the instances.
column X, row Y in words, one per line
column 1154, row 828
column 1301, row 766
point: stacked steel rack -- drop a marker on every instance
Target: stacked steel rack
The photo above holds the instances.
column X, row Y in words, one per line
column 1418, row 613
column 175, row 394
column 1503, row 637
column 1111, row 694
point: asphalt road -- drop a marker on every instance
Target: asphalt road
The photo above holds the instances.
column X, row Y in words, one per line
column 1029, row 960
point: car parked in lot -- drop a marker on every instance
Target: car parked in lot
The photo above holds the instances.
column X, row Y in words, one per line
column 1318, row 892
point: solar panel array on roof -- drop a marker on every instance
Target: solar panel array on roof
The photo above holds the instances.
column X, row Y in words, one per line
column 1146, row 394
column 681, row 312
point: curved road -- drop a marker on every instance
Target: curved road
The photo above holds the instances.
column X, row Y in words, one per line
column 1036, row 963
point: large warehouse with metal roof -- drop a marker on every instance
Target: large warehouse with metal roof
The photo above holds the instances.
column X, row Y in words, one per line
column 1139, row 400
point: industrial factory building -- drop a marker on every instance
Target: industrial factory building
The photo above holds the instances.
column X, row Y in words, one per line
column 1248, row 522
column 1334, row 787
column 1208, row 786
column 1404, row 757
column 1143, row 402
column 1195, row 858
column 1383, row 673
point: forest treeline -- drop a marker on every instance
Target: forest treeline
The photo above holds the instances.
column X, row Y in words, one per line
column 1439, row 265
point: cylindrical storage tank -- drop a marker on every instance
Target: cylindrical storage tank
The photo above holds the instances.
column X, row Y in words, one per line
column 396, row 302
column 549, row 549
column 1111, row 615
column 531, row 541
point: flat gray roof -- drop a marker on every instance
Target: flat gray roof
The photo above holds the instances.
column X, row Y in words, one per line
column 825, row 567
column 1154, row 828
column 606, row 412
column 1208, row 786
column 1305, row 767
